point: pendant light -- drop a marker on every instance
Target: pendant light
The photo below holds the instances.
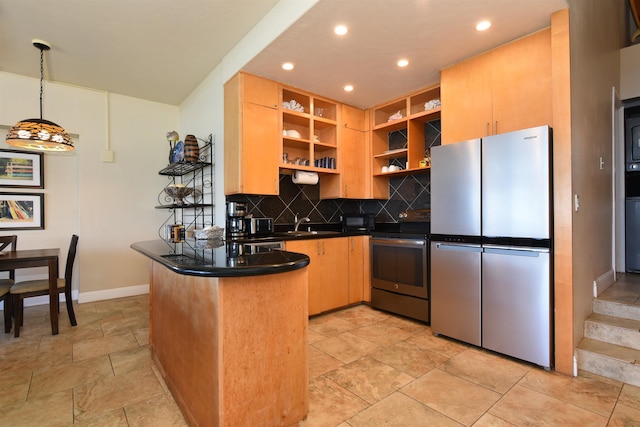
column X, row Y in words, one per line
column 39, row 134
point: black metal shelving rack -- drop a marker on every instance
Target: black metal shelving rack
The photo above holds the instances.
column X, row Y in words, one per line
column 196, row 210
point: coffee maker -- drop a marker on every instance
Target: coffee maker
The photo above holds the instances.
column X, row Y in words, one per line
column 236, row 227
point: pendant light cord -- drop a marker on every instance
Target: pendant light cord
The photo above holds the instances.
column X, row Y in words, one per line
column 41, row 78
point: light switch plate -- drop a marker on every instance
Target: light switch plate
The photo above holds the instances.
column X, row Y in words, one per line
column 107, row 156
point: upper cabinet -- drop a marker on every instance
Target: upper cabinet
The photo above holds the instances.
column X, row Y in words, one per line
column 309, row 132
column 398, row 137
column 251, row 138
column 272, row 128
column 351, row 183
column 500, row 91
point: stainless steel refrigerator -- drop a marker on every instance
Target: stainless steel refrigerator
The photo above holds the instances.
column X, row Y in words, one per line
column 491, row 230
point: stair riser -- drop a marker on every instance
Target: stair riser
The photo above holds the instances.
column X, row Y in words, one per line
column 607, row 367
column 612, row 334
column 616, row 309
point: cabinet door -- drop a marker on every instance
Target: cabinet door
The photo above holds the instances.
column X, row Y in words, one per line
column 260, row 91
column 356, row 268
column 260, row 151
column 353, row 118
column 465, row 91
column 328, row 272
column 354, row 153
column 353, row 168
column 312, row 249
column 522, row 83
column 351, row 183
column 366, row 268
column 251, row 139
column 335, row 272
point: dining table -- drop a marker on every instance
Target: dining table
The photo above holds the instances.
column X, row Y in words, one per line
column 28, row 258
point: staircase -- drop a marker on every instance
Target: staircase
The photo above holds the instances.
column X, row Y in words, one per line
column 611, row 343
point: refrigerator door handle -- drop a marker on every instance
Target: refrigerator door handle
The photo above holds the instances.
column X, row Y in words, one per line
column 458, row 248
column 510, row 250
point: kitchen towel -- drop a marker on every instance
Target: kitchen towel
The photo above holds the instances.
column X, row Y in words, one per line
column 300, row 177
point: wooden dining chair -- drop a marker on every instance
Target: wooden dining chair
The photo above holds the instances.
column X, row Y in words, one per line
column 5, row 284
column 33, row 288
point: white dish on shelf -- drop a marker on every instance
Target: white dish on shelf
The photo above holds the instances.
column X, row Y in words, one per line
column 293, row 105
column 294, row 133
column 395, row 116
column 430, row 105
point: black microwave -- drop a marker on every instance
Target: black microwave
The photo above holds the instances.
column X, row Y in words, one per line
column 358, row 222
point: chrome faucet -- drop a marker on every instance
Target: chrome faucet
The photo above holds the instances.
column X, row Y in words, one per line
column 299, row 221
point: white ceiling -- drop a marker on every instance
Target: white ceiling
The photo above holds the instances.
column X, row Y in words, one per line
column 161, row 50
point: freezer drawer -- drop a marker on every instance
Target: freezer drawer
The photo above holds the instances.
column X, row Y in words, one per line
column 455, row 291
column 516, row 304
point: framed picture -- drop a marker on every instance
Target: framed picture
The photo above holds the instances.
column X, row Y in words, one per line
column 21, row 211
column 21, row 169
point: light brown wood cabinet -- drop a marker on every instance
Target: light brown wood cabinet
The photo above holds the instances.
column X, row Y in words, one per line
column 359, row 274
column 309, row 132
column 328, row 278
column 406, row 115
column 251, row 139
column 352, row 181
column 503, row 90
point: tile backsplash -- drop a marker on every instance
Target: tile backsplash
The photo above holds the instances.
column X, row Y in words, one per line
column 405, row 192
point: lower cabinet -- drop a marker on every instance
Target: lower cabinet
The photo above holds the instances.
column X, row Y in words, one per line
column 328, row 271
column 359, row 273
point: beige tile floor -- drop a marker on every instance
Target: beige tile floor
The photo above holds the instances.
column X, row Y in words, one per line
column 367, row 368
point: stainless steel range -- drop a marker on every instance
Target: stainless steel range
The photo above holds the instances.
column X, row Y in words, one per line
column 400, row 265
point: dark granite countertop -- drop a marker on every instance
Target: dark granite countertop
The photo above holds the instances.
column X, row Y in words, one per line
column 220, row 259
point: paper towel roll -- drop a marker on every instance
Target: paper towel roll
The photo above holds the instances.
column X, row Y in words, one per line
column 300, row 177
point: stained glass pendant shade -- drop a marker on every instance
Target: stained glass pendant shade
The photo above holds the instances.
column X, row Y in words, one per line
column 39, row 134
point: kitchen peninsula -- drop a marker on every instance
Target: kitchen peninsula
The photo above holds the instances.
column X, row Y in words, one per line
column 228, row 331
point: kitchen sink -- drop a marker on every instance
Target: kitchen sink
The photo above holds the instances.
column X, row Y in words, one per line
column 301, row 233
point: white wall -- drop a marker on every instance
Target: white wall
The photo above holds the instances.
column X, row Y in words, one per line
column 110, row 205
column 202, row 112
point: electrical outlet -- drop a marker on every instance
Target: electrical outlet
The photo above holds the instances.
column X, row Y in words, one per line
column 601, row 163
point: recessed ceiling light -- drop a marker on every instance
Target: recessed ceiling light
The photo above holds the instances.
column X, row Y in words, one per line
column 287, row 66
column 483, row 25
column 403, row 63
column 348, row 88
column 340, row 30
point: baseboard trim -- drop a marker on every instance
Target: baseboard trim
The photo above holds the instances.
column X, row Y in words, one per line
column 30, row 302
column 128, row 291
column 603, row 282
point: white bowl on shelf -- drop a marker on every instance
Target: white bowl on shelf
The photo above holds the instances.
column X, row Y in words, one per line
column 294, row 133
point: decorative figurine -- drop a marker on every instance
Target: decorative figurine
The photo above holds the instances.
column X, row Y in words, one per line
column 172, row 137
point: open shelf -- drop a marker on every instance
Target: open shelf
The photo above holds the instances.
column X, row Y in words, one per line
column 401, row 141
column 317, row 128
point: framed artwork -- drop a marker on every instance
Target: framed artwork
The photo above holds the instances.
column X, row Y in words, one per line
column 21, row 169
column 21, row 211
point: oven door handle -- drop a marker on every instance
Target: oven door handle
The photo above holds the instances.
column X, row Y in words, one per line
column 392, row 241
